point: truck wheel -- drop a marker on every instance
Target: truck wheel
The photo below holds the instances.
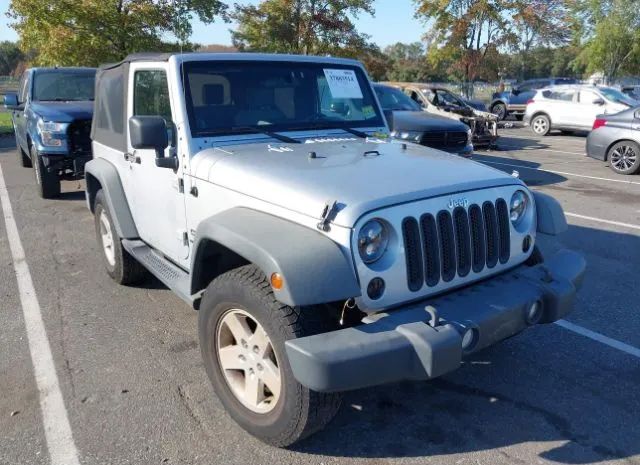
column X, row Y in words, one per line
column 242, row 330
column 541, row 125
column 624, row 157
column 500, row 110
column 23, row 158
column 121, row 266
column 48, row 183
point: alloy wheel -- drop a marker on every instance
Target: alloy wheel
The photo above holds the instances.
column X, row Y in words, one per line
column 107, row 238
column 623, row 157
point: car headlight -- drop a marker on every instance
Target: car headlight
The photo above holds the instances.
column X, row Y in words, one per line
column 373, row 239
column 518, row 206
column 52, row 133
column 407, row 135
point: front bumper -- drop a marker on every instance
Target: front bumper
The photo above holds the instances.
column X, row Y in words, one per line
column 65, row 165
column 405, row 344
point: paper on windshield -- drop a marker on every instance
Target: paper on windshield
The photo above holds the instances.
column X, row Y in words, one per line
column 343, row 83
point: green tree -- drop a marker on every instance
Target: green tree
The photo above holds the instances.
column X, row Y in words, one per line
column 611, row 34
column 407, row 62
column 301, row 26
column 10, row 57
column 90, row 32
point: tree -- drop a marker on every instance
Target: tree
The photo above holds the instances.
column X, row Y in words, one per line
column 90, row 32
column 10, row 57
column 301, row 26
column 611, row 31
column 463, row 32
column 408, row 62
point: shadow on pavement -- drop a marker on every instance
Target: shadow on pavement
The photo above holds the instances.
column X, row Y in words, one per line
column 528, row 170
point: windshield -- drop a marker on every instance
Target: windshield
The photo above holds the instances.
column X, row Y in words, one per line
column 616, row 96
column 441, row 97
column 392, row 99
column 237, row 97
column 64, row 85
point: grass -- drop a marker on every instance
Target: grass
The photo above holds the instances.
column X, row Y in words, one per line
column 6, row 127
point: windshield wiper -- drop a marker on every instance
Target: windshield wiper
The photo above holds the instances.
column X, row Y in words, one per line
column 356, row 133
column 249, row 130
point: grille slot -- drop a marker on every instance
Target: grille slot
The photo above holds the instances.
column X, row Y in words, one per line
column 79, row 137
column 445, row 245
column 413, row 253
column 431, row 249
column 503, row 230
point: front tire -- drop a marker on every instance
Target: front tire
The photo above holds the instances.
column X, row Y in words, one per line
column 120, row 265
column 500, row 110
column 541, row 125
column 242, row 330
column 48, row 183
column 624, row 157
column 23, row 158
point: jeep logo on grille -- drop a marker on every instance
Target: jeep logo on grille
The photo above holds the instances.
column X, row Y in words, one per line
column 459, row 202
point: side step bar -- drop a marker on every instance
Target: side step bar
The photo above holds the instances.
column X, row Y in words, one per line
column 171, row 275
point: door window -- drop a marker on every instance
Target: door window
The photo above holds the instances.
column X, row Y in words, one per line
column 586, row 97
column 151, row 94
column 22, row 94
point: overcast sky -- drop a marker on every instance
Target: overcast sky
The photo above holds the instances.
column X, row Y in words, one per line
column 393, row 22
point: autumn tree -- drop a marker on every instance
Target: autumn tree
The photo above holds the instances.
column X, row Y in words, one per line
column 90, row 32
column 10, row 57
column 301, row 26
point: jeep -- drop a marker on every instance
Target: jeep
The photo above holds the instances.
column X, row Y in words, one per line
column 52, row 120
column 321, row 254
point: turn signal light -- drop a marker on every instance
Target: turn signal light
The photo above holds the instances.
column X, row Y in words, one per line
column 598, row 123
column 530, row 101
column 277, row 281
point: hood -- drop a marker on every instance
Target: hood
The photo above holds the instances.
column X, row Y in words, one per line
column 359, row 175
column 63, row 112
column 423, row 121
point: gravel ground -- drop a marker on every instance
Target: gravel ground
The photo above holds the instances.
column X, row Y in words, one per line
column 135, row 390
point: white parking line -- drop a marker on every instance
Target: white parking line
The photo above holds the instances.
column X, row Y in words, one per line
column 525, row 149
column 600, row 220
column 62, row 449
column 560, row 172
column 600, row 338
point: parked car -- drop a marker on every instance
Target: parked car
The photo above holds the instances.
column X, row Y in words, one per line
column 52, row 120
column 408, row 122
column 321, row 258
column 442, row 102
column 632, row 91
column 573, row 107
column 616, row 139
column 514, row 102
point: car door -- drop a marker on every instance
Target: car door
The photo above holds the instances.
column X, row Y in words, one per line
column 524, row 93
column 156, row 194
column 587, row 108
column 562, row 104
column 18, row 116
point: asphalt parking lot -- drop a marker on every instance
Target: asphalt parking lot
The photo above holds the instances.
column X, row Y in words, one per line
column 135, row 390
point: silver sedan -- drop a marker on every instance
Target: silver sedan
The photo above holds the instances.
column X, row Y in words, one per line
column 616, row 139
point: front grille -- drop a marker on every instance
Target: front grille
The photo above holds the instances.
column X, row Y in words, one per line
column 453, row 244
column 79, row 137
column 444, row 139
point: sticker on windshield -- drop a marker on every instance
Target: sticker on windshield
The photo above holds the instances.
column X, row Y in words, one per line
column 343, row 83
column 368, row 112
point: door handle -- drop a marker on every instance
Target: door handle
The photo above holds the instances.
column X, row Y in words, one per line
column 132, row 158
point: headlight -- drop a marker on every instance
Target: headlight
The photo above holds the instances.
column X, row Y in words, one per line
column 51, row 133
column 518, row 206
column 407, row 135
column 373, row 240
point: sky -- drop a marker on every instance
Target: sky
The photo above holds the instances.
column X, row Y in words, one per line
column 393, row 22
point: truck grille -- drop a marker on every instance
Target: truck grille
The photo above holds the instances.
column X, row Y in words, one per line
column 444, row 139
column 79, row 137
column 452, row 244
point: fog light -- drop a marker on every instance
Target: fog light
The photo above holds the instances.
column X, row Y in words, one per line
column 526, row 244
column 469, row 339
column 375, row 289
column 534, row 312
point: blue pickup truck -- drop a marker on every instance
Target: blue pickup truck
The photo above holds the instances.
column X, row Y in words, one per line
column 52, row 114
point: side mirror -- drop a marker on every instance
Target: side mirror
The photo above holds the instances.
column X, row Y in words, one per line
column 598, row 101
column 150, row 132
column 636, row 115
column 11, row 101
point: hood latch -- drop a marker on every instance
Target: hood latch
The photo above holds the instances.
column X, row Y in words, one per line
column 327, row 216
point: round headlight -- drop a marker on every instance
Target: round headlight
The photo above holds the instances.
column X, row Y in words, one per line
column 373, row 239
column 518, row 206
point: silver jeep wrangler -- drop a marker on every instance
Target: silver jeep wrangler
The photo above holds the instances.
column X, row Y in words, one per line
column 321, row 255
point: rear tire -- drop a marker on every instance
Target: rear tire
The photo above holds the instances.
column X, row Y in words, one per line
column 541, row 125
column 290, row 411
column 624, row 157
column 48, row 183
column 120, row 265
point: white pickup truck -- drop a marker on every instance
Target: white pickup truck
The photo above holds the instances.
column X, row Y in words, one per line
column 322, row 256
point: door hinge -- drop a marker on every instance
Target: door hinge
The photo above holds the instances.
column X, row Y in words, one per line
column 185, row 238
column 181, row 185
column 194, row 191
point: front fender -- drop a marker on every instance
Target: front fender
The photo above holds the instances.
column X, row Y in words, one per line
column 550, row 216
column 313, row 267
